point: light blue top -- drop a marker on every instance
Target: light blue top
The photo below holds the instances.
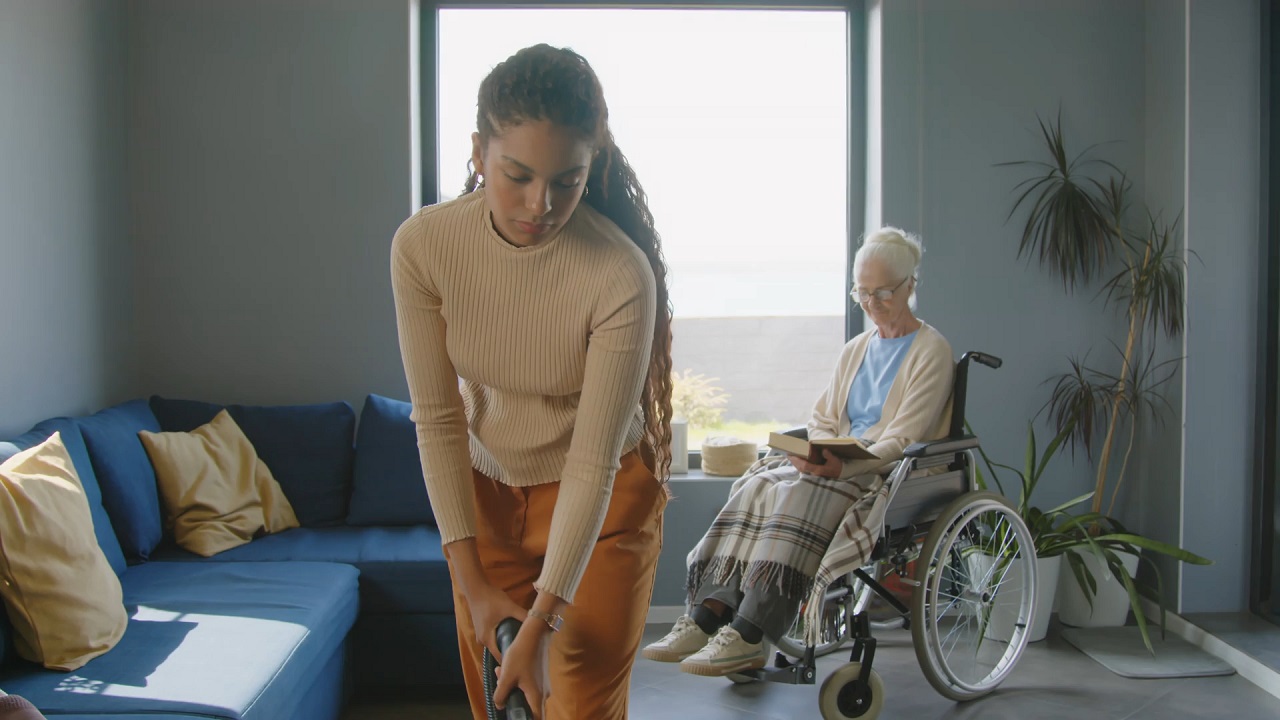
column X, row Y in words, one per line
column 874, row 378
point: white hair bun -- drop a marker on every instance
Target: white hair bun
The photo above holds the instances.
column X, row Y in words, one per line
column 898, row 238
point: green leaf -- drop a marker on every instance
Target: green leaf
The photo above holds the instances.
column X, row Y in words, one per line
column 1070, row 504
column 1138, row 541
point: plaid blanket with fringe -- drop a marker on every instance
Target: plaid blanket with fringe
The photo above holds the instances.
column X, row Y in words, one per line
column 790, row 533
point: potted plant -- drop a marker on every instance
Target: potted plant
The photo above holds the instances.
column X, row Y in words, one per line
column 695, row 400
column 1077, row 227
column 1089, row 540
column 1053, row 531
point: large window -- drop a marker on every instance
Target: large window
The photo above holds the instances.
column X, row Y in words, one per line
column 737, row 123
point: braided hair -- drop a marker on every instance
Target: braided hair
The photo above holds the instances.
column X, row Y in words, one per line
column 558, row 85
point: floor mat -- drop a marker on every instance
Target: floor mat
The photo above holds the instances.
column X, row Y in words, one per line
column 1120, row 650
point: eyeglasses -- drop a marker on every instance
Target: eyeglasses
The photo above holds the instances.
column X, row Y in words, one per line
column 882, row 294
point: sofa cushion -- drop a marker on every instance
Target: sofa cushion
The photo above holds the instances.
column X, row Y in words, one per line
column 125, row 475
column 387, row 487
column 402, row 569
column 182, row 415
column 73, row 441
column 240, row 641
column 217, row 494
column 310, row 449
column 62, row 596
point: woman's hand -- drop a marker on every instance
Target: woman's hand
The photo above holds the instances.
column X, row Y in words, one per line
column 490, row 606
column 829, row 469
column 526, row 667
column 487, row 604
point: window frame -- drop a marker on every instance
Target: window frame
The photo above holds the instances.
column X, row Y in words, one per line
column 1264, row 572
column 856, row 111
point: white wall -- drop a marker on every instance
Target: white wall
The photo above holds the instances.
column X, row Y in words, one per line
column 67, row 342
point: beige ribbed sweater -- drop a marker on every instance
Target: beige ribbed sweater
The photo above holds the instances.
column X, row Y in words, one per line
column 917, row 408
column 525, row 363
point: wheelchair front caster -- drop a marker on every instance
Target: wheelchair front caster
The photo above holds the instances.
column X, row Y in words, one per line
column 845, row 695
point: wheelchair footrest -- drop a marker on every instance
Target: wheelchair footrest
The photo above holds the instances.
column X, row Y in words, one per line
column 785, row 671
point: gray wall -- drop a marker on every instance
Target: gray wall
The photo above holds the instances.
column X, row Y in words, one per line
column 963, row 84
column 68, row 340
column 1224, row 227
column 272, row 166
column 1152, row 497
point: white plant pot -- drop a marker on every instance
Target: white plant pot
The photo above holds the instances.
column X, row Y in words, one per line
column 1110, row 604
column 1005, row 615
column 679, row 446
column 1046, row 591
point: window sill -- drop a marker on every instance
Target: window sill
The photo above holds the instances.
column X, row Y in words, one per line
column 696, row 475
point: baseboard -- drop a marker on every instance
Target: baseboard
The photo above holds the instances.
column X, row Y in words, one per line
column 664, row 614
column 1249, row 668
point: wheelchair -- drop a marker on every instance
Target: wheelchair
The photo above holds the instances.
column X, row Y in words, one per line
column 970, row 562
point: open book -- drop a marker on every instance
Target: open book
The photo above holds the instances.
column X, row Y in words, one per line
column 846, row 448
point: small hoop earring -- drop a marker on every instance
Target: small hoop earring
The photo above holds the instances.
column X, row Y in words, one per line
column 479, row 181
column 586, row 190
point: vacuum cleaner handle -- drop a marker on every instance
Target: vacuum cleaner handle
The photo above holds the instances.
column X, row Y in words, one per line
column 517, row 706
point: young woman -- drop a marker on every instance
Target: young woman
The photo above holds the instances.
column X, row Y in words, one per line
column 535, row 333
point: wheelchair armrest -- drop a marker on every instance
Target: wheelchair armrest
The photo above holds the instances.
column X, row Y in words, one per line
column 801, row 432
column 946, row 446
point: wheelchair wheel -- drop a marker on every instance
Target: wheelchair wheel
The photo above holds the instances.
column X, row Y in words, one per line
column 837, row 619
column 842, row 696
column 973, row 608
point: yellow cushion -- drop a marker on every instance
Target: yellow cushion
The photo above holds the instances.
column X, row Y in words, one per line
column 63, row 598
column 217, row 494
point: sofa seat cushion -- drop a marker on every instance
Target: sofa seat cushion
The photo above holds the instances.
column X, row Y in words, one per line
column 129, row 716
column 402, row 569
column 238, row 641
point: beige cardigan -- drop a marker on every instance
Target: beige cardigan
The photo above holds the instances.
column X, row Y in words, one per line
column 917, row 408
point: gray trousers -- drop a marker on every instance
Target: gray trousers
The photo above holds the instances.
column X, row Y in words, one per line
column 771, row 612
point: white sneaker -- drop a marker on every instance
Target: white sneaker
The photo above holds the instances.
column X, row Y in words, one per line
column 725, row 654
column 685, row 639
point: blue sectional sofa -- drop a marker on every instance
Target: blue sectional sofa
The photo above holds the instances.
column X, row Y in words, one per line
column 286, row 627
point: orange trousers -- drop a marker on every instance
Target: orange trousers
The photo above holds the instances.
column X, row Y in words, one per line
column 591, row 658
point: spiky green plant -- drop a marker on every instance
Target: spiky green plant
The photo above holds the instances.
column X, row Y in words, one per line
column 1076, row 225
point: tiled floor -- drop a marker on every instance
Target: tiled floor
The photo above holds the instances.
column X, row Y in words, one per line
column 1053, row 680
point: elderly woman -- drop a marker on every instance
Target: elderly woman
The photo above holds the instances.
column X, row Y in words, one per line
column 892, row 387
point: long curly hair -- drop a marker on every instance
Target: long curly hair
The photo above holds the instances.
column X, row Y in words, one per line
column 557, row 84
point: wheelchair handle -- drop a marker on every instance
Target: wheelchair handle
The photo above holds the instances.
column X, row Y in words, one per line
column 990, row 361
column 517, row 706
column 960, row 390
